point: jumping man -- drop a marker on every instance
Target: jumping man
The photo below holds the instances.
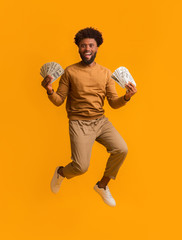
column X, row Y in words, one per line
column 86, row 84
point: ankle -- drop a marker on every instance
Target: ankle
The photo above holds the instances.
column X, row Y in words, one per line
column 60, row 171
column 101, row 185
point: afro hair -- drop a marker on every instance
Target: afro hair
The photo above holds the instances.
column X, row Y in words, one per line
column 89, row 33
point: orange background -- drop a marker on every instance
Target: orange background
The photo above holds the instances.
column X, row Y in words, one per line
column 146, row 38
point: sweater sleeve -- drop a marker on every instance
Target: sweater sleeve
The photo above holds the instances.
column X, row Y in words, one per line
column 111, row 94
column 58, row 97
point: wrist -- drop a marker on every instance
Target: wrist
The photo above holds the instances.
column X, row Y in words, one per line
column 125, row 98
column 50, row 92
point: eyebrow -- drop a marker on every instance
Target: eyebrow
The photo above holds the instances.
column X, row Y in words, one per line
column 87, row 44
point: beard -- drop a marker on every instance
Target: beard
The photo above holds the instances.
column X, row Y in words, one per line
column 87, row 62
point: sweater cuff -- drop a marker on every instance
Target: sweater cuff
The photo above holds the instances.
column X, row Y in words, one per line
column 51, row 96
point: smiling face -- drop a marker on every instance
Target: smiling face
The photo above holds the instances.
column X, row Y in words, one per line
column 87, row 50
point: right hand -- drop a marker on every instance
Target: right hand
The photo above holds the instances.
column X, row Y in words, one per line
column 46, row 83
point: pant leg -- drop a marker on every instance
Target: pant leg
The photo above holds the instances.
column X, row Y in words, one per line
column 115, row 145
column 82, row 138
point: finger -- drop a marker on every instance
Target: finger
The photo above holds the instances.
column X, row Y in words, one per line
column 130, row 83
column 43, row 83
column 46, row 82
column 50, row 77
column 128, row 87
column 132, row 86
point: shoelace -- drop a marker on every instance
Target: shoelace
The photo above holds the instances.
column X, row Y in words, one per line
column 107, row 190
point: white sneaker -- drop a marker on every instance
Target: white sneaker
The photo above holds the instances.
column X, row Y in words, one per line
column 56, row 181
column 106, row 195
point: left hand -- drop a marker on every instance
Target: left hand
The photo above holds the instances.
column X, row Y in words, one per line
column 131, row 90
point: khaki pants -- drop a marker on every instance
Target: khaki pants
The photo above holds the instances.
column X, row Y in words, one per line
column 83, row 133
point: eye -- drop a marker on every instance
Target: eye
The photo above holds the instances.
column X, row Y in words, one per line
column 91, row 45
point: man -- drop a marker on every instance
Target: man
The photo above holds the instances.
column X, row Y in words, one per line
column 86, row 84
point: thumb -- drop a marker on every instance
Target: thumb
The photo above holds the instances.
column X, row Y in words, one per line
column 50, row 77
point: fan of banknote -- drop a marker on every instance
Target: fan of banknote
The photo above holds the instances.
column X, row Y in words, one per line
column 53, row 69
column 122, row 76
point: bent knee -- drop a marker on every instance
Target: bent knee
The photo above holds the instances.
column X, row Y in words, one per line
column 80, row 169
column 83, row 169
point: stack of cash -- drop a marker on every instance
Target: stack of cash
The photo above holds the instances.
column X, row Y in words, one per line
column 53, row 69
column 122, row 76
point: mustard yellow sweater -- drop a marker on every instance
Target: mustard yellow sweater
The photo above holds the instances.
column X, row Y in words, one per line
column 86, row 88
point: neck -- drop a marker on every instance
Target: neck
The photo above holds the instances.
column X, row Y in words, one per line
column 89, row 65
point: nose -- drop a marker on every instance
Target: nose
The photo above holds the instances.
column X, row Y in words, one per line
column 87, row 47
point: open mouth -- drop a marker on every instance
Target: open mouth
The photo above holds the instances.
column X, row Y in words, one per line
column 87, row 55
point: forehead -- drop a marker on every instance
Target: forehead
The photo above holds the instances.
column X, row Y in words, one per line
column 88, row 41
